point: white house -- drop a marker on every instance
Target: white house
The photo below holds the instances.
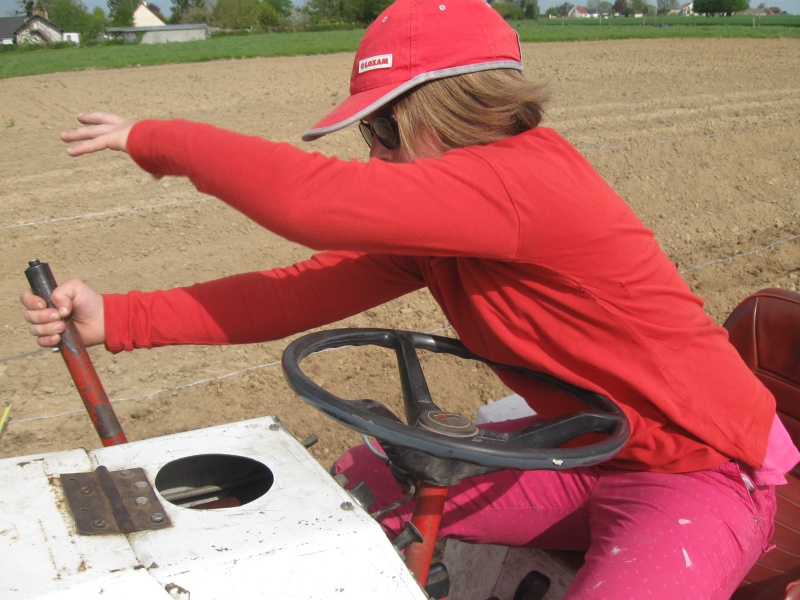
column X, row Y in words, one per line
column 580, row 12
column 144, row 17
column 38, row 30
column 34, row 30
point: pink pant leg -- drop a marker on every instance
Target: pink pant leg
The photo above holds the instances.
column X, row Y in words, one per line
column 649, row 535
column 656, row 535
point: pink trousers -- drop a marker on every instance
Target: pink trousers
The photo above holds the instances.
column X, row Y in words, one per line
column 646, row 535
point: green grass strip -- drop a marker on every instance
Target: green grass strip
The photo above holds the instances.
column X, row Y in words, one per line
column 19, row 61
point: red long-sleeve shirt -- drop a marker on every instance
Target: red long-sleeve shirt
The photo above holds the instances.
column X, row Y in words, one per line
column 530, row 254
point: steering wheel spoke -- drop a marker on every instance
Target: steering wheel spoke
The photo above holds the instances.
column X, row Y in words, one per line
column 416, row 395
column 554, row 432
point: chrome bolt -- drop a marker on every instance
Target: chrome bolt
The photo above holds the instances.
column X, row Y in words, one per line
column 86, row 490
column 125, row 472
column 140, row 485
column 346, row 506
column 157, row 517
column 274, row 427
column 141, row 500
column 99, row 523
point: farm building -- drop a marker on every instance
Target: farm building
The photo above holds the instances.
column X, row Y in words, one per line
column 33, row 30
column 185, row 32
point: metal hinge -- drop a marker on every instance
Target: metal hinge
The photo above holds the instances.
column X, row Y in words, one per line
column 106, row 502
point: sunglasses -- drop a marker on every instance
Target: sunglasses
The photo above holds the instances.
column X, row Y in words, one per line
column 384, row 129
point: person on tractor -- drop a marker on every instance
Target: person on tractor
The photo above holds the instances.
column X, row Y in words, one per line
column 534, row 260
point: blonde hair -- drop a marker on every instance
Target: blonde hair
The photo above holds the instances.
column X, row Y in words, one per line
column 471, row 109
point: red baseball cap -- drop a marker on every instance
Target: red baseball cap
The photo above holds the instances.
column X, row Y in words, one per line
column 414, row 41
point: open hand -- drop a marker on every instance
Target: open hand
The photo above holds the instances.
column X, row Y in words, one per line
column 101, row 131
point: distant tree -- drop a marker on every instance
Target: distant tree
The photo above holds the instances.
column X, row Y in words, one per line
column 298, row 18
column 738, row 6
column 68, row 14
column 508, row 10
column 563, row 10
column 664, row 6
column 23, row 8
column 283, row 7
column 720, row 7
column 601, row 7
column 620, row 6
column 529, row 8
column 120, row 12
column 640, row 7
column 194, row 14
column 179, row 7
column 98, row 25
column 153, row 8
column 267, row 16
column 236, row 14
column 364, row 11
column 345, row 11
column 324, row 11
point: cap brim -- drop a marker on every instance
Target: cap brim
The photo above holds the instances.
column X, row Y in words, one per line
column 362, row 104
column 355, row 108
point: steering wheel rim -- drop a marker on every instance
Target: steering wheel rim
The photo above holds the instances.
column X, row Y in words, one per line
column 524, row 450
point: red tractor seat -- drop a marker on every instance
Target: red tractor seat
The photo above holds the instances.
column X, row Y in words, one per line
column 765, row 329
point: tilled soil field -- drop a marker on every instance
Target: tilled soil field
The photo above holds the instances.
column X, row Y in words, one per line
column 701, row 137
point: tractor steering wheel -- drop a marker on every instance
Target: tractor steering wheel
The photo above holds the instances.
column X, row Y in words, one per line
column 441, row 447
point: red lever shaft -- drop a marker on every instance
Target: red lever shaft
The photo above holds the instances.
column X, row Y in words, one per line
column 427, row 518
column 78, row 362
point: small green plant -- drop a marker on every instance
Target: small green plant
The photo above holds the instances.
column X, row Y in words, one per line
column 9, row 123
column 4, row 417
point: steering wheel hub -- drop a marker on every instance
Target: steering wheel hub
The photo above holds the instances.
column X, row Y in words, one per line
column 447, row 423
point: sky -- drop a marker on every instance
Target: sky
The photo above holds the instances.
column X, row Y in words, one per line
column 7, row 7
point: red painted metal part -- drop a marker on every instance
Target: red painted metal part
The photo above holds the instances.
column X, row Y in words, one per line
column 427, row 518
column 90, row 389
column 78, row 362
